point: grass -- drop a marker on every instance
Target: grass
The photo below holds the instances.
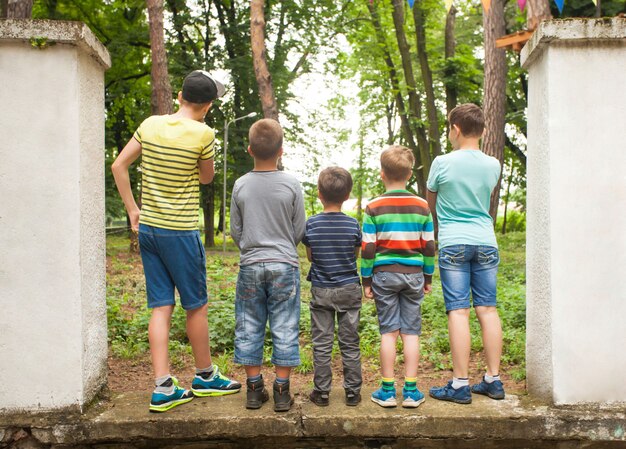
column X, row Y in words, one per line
column 128, row 316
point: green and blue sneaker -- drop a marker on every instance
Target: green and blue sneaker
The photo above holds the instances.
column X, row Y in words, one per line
column 162, row 402
column 412, row 398
column 214, row 385
column 385, row 397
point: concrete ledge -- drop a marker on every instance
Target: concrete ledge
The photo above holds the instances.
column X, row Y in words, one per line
column 574, row 30
column 224, row 422
column 56, row 31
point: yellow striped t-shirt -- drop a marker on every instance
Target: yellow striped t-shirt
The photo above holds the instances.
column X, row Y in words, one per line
column 171, row 147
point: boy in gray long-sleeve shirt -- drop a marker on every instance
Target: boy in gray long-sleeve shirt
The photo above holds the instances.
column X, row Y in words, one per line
column 267, row 222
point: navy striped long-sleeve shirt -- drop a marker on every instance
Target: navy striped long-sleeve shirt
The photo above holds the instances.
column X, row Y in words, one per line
column 333, row 238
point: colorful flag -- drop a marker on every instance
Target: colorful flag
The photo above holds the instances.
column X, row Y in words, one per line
column 411, row 3
column 559, row 4
column 486, row 4
column 521, row 4
column 448, row 5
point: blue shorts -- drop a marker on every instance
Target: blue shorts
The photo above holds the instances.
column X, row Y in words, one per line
column 267, row 291
column 173, row 259
column 465, row 268
column 398, row 298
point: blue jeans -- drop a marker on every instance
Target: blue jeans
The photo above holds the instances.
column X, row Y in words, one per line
column 468, row 267
column 267, row 290
column 173, row 259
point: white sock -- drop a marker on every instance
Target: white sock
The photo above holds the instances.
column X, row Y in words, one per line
column 490, row 379
column 458, row 382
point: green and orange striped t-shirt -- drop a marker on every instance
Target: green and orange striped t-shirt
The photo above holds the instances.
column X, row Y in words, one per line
column 398, row 236
column 170, row 192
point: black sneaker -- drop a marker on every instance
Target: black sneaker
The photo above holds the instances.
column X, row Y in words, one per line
column 320, row 398
column 352, row 398
column 282, row 398
column 256, row 394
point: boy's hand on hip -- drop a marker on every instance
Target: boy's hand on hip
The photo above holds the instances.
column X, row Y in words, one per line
column 368, row 292
column 428, row 288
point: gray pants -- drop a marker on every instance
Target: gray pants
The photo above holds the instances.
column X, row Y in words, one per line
column 345, row 301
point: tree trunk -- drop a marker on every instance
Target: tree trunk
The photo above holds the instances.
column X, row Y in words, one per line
column 395, row 84
column 261, row 71
column 537, row 11
column 450, row 50
column 359, row 180
column 161, row 101
column 494, row 90
column 18, row 9
column 415, row 107
column 434, row 136
column 208, row 211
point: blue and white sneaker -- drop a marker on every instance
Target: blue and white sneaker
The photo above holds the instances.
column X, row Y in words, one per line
column 216, row 385
column 412, row 398
column 447, row 393
column 385, row 398
column 161, row 402
column 495, row 389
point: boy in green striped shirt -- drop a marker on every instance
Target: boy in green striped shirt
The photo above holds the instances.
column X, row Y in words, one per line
column 177, row 155
column 397, row 265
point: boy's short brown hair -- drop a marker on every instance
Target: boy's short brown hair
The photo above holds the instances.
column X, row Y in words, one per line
column 397, row 163
column 266, row 139
column 469, row 118
column 334, row 184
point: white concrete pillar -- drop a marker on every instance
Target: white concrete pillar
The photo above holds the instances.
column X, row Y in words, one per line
column 53, row 332
column 576, row 216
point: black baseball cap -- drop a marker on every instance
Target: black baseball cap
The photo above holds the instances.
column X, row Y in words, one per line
column 200, row 87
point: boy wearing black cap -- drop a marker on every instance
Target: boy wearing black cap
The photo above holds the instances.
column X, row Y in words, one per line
column 177, row 153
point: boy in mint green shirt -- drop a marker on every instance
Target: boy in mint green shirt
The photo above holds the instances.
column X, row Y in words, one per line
column 460, row 185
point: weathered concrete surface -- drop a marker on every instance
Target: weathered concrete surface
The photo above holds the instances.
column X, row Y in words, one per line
column 224, row 422
column 576, row 127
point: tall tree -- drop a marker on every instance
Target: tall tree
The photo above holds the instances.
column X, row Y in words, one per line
column 494, row 90
column 161, row 88
column 17, row 9
column 263, row 76
column 415, row 105
column 537, row 11
column 427, row 78
column 449, row 69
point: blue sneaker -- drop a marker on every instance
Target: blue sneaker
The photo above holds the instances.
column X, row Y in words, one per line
column 495, row 389
column 412, row 398
column 161, row 402
column 447, row 393
column 385, row 398
column 216, row 385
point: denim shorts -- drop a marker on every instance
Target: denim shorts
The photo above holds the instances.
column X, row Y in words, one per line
column 398, row 298
column 465, row 268
column 267, row 291
column 173, row 259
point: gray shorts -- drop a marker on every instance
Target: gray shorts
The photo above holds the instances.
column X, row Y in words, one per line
column 398, row 298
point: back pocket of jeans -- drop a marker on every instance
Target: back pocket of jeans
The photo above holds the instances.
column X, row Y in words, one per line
column 488, row 256
column 284, row 283
column 453, row 255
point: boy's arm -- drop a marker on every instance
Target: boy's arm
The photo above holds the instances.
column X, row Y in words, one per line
column 236, row 224
column 428, row 251
column 206, row 171
column 120, row 166
column 299, row 216
column 431, row 197
column 309, row 256
column 369, row 253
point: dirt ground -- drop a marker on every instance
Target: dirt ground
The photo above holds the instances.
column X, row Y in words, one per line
column 136, row 375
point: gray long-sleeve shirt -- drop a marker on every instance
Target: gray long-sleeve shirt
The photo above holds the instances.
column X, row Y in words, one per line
column 267, row 217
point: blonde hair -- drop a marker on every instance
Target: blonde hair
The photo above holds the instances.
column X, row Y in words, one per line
column 397, row 162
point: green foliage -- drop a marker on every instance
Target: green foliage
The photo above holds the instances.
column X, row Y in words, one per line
column 128, row 316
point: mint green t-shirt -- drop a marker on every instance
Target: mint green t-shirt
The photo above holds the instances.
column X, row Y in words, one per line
column 464, row 181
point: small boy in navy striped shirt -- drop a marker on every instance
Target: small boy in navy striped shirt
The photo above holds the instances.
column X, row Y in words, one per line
column 333, row 241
